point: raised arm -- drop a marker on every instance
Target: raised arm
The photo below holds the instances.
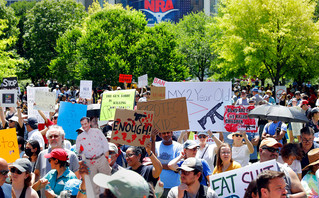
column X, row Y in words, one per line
column 173, row 163
column 217, row 141
column 2, row 117
column 249, row 144
column 157, row 165
column 20, row 120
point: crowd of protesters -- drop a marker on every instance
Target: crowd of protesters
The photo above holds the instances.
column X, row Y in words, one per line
column 172, row 164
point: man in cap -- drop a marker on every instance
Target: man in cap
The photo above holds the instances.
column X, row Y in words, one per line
column 33, row 132
column 243, row 100
column 113, row 155
column 122, row 184
column 304, row 107
column 269, row 150
column 191, row 175
column 5, row 189
column 256, row 96
column 297, row 96
column 190, row 150
column 271, row 184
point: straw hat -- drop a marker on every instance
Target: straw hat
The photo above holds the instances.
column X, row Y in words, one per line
column 313, row 157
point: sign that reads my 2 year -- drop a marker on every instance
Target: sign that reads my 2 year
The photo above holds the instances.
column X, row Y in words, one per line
column 132, row 127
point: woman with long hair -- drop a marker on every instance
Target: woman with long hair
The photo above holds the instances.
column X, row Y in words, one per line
column 21, row 179
column 224, row 160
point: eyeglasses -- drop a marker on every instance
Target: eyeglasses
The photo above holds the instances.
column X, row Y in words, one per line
column 306, row 141
column 202, row 136
column 52, row 158
column 185, row 172
column 15, row 170
column 272, row 150
column 53, row 136
column 4, row 172
column 129, row 155
column 238, row 135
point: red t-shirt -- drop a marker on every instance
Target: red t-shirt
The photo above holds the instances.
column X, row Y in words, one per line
column 42, row 126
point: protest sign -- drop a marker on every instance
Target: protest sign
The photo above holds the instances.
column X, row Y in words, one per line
column 9, row 83
column 233, row 184
column 169, row 114
column 158, row 82
column 236, row 119
column 279, row 90
column 32, row 112
column 209, row 140
column 205, row 102
column 157, row 93
column 111, row 100
column 86, row 89
column 69, row 118
column 132, row 127
column 142, row 81
column 9, row 148
column 125, row 78
column 8, row 98
column 45, row 101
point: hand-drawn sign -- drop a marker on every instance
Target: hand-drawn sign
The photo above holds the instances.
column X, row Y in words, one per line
column 236, row 119
column 157, row 93
column 158, row 82
column 132, row 127
column 45, row 101
column 125, row 78
column 142, row 81
column 170, row 114
column 9, row 148
column 10, row 82
column 31, row 100
column 86, row 89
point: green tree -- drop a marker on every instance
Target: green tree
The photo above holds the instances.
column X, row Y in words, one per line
column 277, row 37
column 195, row 39
column 46, row 21
column 11, row 21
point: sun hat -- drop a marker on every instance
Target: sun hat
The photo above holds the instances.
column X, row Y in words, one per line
column 230, row 136
column 313, row 156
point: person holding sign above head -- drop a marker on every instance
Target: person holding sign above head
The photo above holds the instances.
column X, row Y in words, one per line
column 225, row 161
column 271, row 184
column 241, row 151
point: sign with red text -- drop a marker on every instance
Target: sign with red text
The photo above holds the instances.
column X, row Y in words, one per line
column 9, row 148
column 235, row 182
column 170, row 114
column 125, row 78
column 279, row 90
column 158, row 82
column 236, row 119
column 157, row 93
column 132, row 127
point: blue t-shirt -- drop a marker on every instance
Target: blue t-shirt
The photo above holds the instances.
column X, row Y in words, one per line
column 57, row 184
column 165, row 153
column 271, row 128
column 206, row 170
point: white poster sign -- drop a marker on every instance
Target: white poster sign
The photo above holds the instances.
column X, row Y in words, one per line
column 158, row 82
column 32, row 112
column 234, row 183
column 45, row 101
column 205, row 102
column 142, row 81
column 86, row 89
column 279, row 90
column 8, row 98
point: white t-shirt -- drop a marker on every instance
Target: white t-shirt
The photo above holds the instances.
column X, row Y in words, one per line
column 295, row 166
column 241, row 155
column 209, row 155
column 36, row 135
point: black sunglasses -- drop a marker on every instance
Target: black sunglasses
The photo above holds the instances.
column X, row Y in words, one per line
column 4, row 172
column 238, row 135
column 272, row 150
column 15, row 170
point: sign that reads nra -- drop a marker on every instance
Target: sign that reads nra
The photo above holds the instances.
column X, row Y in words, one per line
column 10, row 82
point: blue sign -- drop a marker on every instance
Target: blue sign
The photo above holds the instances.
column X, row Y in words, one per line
column 69, row 118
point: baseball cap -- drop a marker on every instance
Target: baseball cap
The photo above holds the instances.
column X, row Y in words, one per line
column 243, row 91
column 191, row 164
column 58, row 153
column 297, row 92
column 33, row 122
column 113, row 147
column 202, row 133
column 123, row 184
column 255, row 89
column 304, row 102
column 315, row 110
column 270, row 142
column 190, row 144
column 23, row 164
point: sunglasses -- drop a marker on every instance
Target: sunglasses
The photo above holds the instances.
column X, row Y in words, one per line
column 238, row 135
column 15, row 170
column 185, row 172
column 272, row 150
column 4, row 172
column 201, row 136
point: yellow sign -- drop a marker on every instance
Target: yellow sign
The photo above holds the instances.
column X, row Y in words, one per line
column 9, row 149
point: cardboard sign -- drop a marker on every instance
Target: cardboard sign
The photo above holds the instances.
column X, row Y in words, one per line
column 170, row 114
column 125, row 78
column 157, row 93
column 86, row 89
column 111, row 100
column 234, row 183
column 69, row 118
column 45, row 101
column 9, row 148
column 132, row 127
column 279, row 90
column 8, row 98
column 236, row 119
column 209, row 140
column 158, row 82
column 9, row 83
column 205, row 102
column 142, row 81
column 32, row 112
